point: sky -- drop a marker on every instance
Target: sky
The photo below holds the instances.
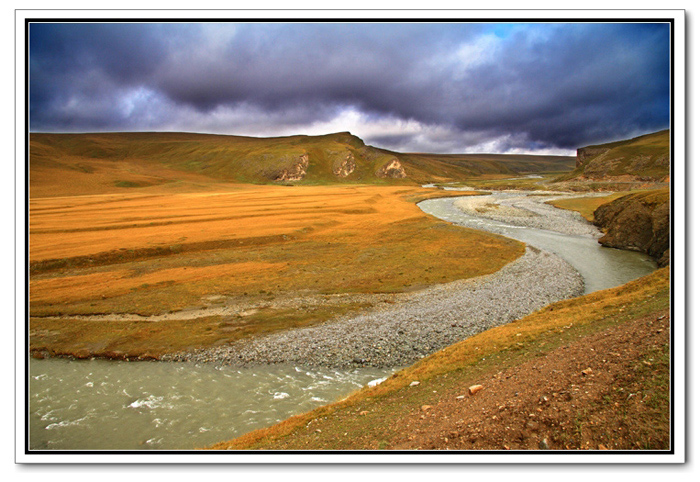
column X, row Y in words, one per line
column 541, row 88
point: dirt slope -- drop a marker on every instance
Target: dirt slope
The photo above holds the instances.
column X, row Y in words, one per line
column 599, row 392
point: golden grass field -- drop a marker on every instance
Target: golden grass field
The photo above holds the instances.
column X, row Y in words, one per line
column 160, row 251
column 586, row 206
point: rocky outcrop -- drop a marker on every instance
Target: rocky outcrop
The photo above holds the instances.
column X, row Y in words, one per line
column 392, row 169
column 344, row 167
column 296, row 172
column 638, row 222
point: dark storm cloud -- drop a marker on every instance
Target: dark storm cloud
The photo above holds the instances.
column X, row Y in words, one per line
column 527, row 86
column 369, row 65
column 575, row 84
column 95, row 63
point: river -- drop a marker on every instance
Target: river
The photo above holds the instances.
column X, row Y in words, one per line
column 109, row 405
column 117, row 405
column 600, row 267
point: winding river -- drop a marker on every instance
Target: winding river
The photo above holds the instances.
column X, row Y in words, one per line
column 108, row 405
column 569, row 235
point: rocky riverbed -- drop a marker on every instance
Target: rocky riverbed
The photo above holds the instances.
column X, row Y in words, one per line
column 421, row 323
column 529, row 210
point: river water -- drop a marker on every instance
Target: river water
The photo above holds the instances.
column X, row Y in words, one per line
column 110, row 405
column 116, row 405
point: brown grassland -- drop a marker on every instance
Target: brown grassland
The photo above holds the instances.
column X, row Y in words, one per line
column 163, row 252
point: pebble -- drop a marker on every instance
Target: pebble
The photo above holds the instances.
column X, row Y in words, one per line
column 475, row 388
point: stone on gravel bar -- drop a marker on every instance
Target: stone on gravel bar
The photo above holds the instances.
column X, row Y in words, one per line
column 475, row 388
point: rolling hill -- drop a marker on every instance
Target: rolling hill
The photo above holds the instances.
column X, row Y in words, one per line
column 644, row 158
column 62, row 164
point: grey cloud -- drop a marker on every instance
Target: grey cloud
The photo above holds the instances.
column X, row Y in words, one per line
column 555, row 85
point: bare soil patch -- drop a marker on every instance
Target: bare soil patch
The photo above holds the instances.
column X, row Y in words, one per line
column 607, row 391
column 604, row 391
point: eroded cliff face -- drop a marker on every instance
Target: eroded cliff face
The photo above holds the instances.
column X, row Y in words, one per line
column 392, row 169
column 296, row 172
column 638, row 222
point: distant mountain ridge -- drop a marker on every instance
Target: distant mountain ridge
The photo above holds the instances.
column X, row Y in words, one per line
column 140, row 159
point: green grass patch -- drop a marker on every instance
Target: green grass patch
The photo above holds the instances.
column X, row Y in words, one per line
column 127, row 184
column 145, row 339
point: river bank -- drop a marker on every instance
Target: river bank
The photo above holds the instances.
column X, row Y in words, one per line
column 590, row 373
column 526, row 217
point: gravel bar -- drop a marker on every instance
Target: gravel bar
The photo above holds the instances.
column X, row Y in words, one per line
column 423, row 323
column 528, row 211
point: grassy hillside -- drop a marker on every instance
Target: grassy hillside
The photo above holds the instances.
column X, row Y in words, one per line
column 65, row 164
column 644, row 158
column 456, row 167
column 585, row 373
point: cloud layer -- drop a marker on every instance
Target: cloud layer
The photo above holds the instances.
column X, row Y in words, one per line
column 448, row 87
